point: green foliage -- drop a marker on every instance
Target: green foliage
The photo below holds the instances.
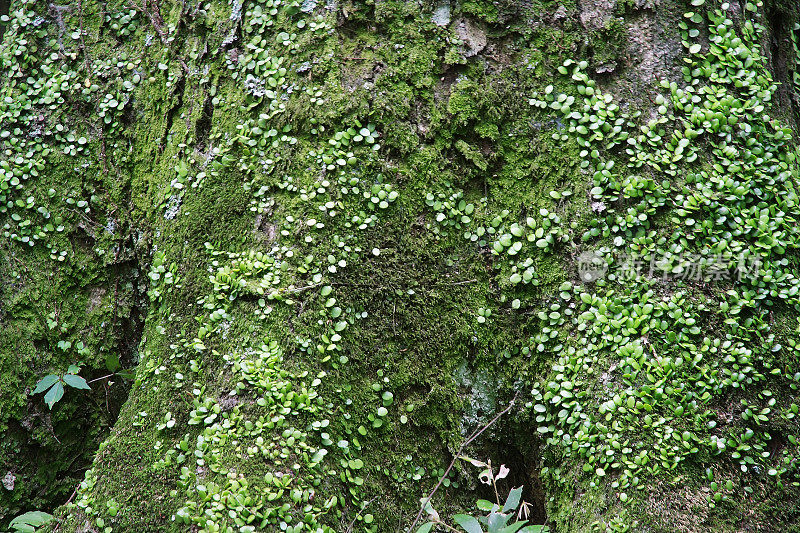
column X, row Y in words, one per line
column 291, row 376
column 673, row 357
column 30, row 521
column 508, row 516
column 54, row 385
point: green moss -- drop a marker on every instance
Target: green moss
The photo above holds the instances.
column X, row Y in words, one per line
column 248, row 211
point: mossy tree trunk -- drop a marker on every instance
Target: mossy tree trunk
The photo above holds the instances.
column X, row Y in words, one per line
column 334, row 238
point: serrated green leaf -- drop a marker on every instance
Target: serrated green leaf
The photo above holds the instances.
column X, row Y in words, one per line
column 32, row 518
column 469, row 523
column 513, row 499
column 55, row 393
column 485, row 505
column 535, row 528
column 76, row 382
column 495, row 522
column 45, row 383
column 513, row 528
column 129, row 373
column 425, row 528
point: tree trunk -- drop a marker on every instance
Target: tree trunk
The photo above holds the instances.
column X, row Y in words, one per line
column 301, row 252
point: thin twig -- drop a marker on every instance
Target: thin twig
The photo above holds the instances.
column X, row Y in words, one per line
column 453, row 284
column 477, row 433
column 101, row 377
column 494, row 486
column 350, row 526
column 300, row 289
column 74, row 493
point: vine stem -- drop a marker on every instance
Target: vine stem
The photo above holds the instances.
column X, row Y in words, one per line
column 101, row 377
column 475, row 434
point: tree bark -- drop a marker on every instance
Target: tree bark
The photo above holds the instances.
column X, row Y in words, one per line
column 335, row 239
